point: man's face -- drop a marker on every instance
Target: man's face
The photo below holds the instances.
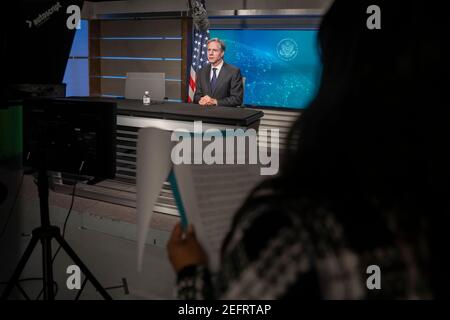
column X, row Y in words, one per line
column 215, row 53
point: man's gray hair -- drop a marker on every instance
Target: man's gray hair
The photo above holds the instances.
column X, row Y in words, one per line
column 222, row 44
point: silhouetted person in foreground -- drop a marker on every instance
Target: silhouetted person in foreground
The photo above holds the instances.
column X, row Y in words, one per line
column 366, row 181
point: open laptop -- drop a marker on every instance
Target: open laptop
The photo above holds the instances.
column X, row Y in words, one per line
column 137, row 83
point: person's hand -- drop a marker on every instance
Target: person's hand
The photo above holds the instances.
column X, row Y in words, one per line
column 204, row 100
column 212, row 102
column 184, row 250
column 207, row 101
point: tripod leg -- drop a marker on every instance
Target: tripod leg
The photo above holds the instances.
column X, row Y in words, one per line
column 47, row 268
column 18, row 271
column 22, row 291
column 81, row 289
column 82, row 267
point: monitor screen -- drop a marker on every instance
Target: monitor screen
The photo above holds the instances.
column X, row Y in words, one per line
column 70, row 135
column 281, row 67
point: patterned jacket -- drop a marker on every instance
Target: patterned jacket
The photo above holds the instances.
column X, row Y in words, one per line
column 273, row 252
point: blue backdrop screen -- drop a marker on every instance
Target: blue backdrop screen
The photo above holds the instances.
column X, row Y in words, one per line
column 281, row 67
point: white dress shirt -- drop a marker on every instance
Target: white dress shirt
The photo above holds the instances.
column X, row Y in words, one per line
column 217, row 71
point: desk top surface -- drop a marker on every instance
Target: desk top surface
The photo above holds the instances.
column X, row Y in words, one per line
column 181, row 111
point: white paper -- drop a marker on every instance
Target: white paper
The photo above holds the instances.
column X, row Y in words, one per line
column 153, row 167
column 211, row 196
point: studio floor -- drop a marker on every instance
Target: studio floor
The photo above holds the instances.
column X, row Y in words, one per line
column 102, row 234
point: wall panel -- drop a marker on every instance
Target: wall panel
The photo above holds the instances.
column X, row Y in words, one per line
column 121, row 46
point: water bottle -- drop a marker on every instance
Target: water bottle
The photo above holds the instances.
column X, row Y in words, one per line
column 146, row 98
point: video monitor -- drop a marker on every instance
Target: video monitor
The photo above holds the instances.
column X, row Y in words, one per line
column 70, row 135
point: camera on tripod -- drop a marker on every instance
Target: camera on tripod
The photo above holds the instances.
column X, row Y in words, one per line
column 67, row 135
column 70, row 135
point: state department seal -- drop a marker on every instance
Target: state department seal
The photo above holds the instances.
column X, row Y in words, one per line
column 287, row 49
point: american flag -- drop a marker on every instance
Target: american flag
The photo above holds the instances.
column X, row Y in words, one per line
column 199, row 56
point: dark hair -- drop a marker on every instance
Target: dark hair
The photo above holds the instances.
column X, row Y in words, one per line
column 373, row 143
column 219, row 41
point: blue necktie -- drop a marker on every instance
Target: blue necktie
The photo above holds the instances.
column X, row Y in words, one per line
column 213, row 80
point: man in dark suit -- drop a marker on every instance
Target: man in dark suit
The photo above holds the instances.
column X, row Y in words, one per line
column 218, row 83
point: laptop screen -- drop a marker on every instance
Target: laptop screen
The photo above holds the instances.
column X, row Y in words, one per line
column 139, row 82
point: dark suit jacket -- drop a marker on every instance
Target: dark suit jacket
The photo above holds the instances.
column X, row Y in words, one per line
column 229, row 89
